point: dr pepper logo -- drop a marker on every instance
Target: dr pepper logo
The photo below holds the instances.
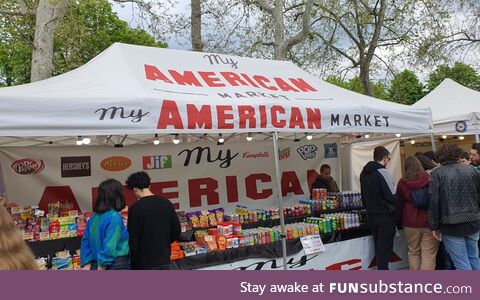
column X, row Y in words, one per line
column 116, row 163
column 28, row 166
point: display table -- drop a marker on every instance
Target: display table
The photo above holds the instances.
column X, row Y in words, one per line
column 272, row 250
column 48, row 248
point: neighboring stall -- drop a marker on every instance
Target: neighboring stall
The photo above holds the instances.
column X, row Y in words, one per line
column 130, row 96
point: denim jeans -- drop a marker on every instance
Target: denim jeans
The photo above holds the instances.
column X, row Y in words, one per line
column 463, row 251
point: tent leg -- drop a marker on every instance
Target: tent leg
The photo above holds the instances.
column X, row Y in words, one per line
column 477, row 131
column 432, row 139
column 280, row 198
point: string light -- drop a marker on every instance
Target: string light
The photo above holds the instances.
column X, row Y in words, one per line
column 398, row 135
column 309, row 136
column 176, row 139
column 249, row 137
column 367, row 136
column 86, row 140
column 221, row 140
column 156, row 141
column 79, row 141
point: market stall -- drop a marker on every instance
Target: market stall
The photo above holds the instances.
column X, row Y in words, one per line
column 131, row 96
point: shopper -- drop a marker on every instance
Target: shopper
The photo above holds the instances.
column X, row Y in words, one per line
column 325, row 180
column 378, row 198
column 427, row 164
column 454, row 210
column 412, row 195
column 14, row 253
column 431, row 155
column 464, row 158
column 153, row 225
column 105, row 241
column 475, row 156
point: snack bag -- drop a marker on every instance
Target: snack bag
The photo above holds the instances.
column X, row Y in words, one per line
column 211, row 243
column 221, row 242
column 219, row 214
column 212, row 220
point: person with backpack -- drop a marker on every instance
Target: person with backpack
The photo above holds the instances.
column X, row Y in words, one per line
column 413, row 199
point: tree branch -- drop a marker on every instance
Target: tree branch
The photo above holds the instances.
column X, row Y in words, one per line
column 262, row 4
column 344, row 27
column 357, row 22
column 338, row 50
column 302, row 35
column 376, row 33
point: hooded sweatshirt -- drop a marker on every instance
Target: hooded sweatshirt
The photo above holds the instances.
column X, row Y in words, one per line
column 377, row 189
column 409, row 214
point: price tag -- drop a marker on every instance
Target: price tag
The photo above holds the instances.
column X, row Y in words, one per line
column 312, row 244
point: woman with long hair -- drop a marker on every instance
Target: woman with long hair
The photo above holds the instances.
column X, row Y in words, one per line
column 105, row 241
column 14, row 253
column 422, row 245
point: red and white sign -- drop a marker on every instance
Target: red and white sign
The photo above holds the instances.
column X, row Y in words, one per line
column 193, row 176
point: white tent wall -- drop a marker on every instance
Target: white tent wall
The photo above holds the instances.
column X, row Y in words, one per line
column 361, row 153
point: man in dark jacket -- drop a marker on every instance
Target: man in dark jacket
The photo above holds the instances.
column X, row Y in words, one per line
column 454, row 208
column 378, row 198
column 152, row 225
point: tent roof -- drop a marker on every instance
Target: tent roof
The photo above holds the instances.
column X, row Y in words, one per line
column 80, row 102
column 451, row 101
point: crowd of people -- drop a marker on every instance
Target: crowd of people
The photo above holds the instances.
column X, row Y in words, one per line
column 437, row 203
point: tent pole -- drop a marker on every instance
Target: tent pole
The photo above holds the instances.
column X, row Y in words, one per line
column 280, row 199
column 477, row 133
column 432, row 139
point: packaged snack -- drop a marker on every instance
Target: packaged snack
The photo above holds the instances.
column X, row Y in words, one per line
column 54, row 209
column 212, row 220
column 194, row 220
column 204, row 219
column 235, row 242
column 221, row 242
column 219, row 214
column 229, row 244
column 211, row 243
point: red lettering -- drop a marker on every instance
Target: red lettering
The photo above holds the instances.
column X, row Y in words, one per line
column 232, row 189
column 203, row 187
column 252, row 189
column 233, row 79
column 263, row 116
column 296, row 118
column 311, row 176
column 249, row 80
column 291, row 184
column 246, row 113
column 223, row 116
column 152, row 73
column 352, row 264
column 54, row 194
column 274, row 111
column 169, row 116
column 210, row 79
column 199, row 118
column 186, row 78
column 283, row 85
column 314, row 118
column 302, row 85
column 262, row 80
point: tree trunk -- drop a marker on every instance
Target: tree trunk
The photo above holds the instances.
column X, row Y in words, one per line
column 47, row 17
column 365, row 78
column 197, row 44
column 279, row 33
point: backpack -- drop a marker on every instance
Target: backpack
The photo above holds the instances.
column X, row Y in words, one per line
column 420, row 197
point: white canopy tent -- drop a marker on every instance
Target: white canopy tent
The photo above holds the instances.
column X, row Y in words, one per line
column 454, row 109
column 133, row 91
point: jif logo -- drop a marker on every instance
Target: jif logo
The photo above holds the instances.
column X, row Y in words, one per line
column 157, row 162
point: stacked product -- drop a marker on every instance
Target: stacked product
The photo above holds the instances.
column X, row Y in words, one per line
column 328, row 223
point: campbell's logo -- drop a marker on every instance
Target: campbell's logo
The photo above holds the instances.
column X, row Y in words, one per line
column 28, row 166
column 255, row 155
column 283, row 153
column 116, row 163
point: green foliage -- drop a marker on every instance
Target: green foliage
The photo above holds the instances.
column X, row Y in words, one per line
column 405, row 88
column 88, row 28
column 355, row 84
column 460, row 72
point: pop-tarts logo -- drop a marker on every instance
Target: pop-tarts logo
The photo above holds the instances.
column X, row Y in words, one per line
column 308, row 151
column 157, row 162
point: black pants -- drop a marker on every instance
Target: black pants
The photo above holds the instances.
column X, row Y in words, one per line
column 383, row 230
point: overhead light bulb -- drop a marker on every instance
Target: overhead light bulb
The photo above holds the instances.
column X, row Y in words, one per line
column 398, row 135
column 79, row 141
column 156, row 141
column 412, row 142
column 221, row 140
column 86, row 140
column 461, row 138
column 249, row 137
column 309, row 136
column 176, row 140
column 444, row 137
column 367, row 136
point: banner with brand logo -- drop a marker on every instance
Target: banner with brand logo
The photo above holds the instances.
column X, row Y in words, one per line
column 145, row 90
column 192, row 175
column 355, row 254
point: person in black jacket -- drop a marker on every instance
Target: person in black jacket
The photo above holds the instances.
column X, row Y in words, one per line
column 378, row 198
column 325, row 181
column 454, row 207
column 152, row 225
